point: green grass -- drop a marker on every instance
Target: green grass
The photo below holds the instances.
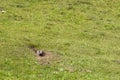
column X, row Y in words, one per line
column 85, row 33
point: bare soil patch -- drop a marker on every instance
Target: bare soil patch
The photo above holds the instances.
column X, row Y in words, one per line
column 47, row 58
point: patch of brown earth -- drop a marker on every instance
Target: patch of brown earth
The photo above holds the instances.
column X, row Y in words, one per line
column 70, row 69
column 47, row 57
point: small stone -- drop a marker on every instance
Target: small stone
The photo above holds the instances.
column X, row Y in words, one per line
column 3, row 11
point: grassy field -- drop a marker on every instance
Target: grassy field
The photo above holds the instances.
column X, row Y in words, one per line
column 84, row 33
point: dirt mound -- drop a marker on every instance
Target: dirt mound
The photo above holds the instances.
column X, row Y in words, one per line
column 45, row 57
column 48, row 58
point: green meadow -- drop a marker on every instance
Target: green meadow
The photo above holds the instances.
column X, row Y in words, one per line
column 85, row 34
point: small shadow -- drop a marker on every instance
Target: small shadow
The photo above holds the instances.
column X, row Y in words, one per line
column 116, row 61
column 82, row 2
column 31, row 46
column 1, row 8
column 18, row 5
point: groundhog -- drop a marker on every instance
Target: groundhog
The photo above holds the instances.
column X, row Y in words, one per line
column 39, row 52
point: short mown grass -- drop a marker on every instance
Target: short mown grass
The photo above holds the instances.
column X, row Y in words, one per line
column 85, row 33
